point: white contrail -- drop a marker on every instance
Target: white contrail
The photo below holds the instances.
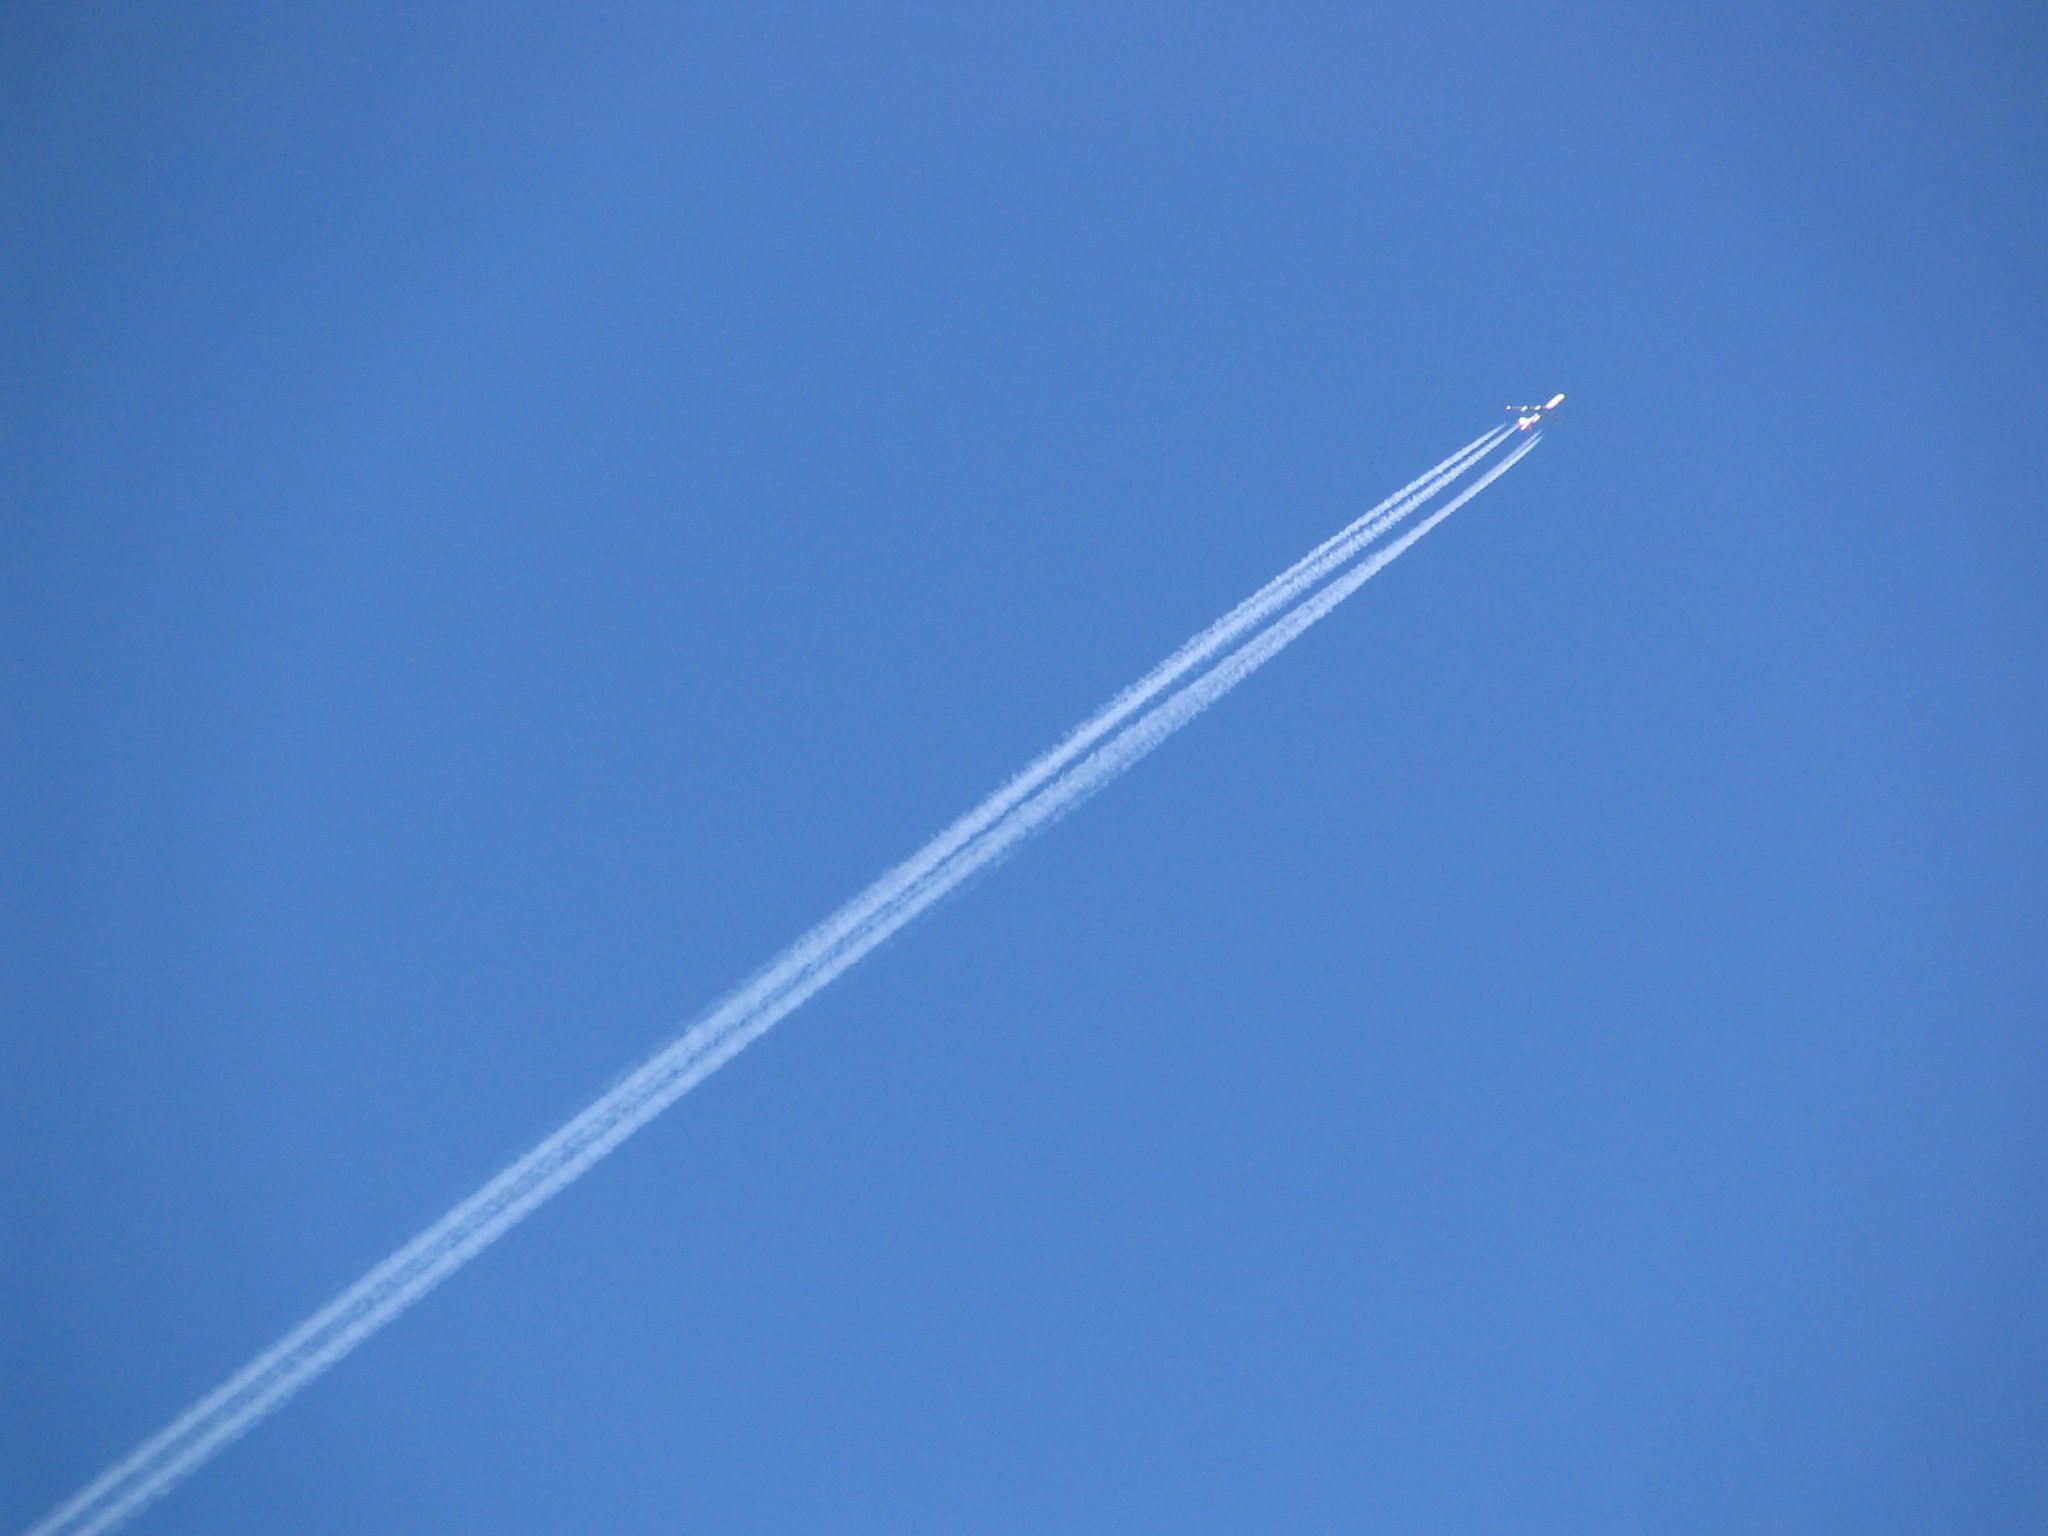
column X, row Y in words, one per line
column 1090, row 757
column 1254, row 610
column 1147, row 732
column 901, row 883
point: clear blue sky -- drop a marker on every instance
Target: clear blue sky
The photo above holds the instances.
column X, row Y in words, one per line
column 517, row 511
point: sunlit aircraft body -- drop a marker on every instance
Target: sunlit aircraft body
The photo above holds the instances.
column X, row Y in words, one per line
column 1528, row 415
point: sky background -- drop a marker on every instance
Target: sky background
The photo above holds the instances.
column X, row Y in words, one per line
column 520, row 510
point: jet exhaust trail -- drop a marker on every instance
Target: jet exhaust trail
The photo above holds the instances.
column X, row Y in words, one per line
column 1104, row 746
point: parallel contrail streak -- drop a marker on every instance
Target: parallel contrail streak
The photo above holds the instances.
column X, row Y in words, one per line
column 1254, row 610
column 1037, row 809
column 900, row 884
column 1139, row 738
column 1096, row 752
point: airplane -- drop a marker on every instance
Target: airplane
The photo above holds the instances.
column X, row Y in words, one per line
column 1531, row 414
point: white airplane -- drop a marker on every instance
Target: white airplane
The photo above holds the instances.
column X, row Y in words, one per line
column 1531, row 414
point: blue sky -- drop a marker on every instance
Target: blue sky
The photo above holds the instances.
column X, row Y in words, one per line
column 522, row 510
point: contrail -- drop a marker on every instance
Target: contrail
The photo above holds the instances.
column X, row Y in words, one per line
column 1152, row 728
column 963, row 840
column 1094, row 753
column 900, row 884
